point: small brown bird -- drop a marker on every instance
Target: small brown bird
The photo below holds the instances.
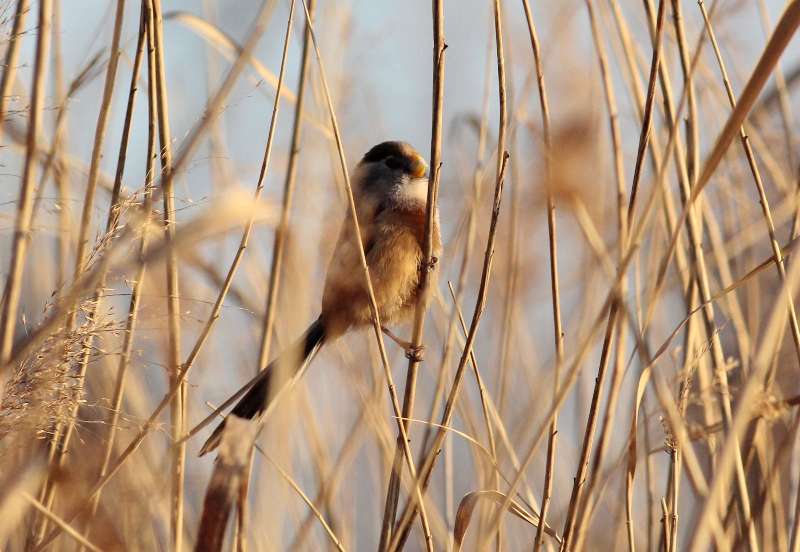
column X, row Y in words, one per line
column 391, row 190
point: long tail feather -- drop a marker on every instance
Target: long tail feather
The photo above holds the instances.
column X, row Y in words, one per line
column 257, row 399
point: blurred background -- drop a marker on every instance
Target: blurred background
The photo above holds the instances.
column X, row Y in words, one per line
column 334, row 435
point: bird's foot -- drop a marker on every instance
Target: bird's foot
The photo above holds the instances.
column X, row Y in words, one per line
column 415, row 353
column 431, row 265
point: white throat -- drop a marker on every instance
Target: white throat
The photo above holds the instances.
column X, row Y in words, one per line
column 414, row 192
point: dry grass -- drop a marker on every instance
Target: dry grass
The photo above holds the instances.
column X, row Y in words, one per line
column 612, row 350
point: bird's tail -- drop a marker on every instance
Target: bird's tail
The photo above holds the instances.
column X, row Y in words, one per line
column 290, row 362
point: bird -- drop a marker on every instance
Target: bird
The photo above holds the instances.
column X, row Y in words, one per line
column 390, row 190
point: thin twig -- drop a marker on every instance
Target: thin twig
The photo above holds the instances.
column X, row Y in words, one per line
column 10, row 60
column 554, row 288
column 418, row 496
column 62, row 436
column 623, row 220
column 594, row 409
column 178, row 405
column 66, row 527
column 404, row 524
column 22, row 227
column 138, row 280
column 215, row 311
column 282, row 231
column 751, row 162
column 425, row 283
column 209, row 115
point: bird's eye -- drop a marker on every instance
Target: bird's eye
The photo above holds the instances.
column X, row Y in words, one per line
column 393, row 163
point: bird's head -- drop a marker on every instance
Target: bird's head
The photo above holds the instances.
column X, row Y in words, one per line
column 394, row 172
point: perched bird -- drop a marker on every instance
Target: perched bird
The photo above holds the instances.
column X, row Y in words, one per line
column 390, row 188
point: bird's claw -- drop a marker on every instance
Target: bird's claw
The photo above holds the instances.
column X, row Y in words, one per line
column 415, row 353
column 430, row 265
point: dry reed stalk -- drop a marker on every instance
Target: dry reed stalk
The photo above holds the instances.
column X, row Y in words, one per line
column 487, row 406
column 111, row 222
column 554, row 287
column 624, row 211
column 52, row 517
column 759, row 504
column 63, row 434
column 181, row 160
column 613, row 295
column 511, row 295
column 214, row 220
column 178, row 405
column 11, row 57
column 171, row 244
column 691, row 138
column 672, row 141
column 22, row 225
column 647, row 120
column 467, row 506
column 784, row 100
column 255, row 34
column 281, row 232
column 335, row 540
column 321, row 459
column 773, row 95
column 18, row 477
column 701, row 274
column 594, row 239
column 245, row 55
column 586, row 447
column 418, row 496
column 329, row 486
column 789, row 21
column 672, row 410
column 692, row 120
column 492, row 470
column 131, row 319
column 723, row 260
column 229, row 48
column 777, row 43
column 41, row 392
column 669, row 214
column 400, row 534
column 734, row 309
column 215, row 311
column 59, row 139
column 569, row 381
column 679, row 431
column 494, row 412
column 757, row 180
column 468, row 246
column 635, row 87
column 670, row 353
column 691, row 289
column 795, row 530
column 659, row 159
column 431, row 219
column 409, row 512
column 53, row 162
column 748, row 401
column 66, row 161
column 99, row 137
column 766, row 212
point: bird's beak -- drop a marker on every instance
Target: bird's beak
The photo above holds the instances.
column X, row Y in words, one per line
column 418, row 167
